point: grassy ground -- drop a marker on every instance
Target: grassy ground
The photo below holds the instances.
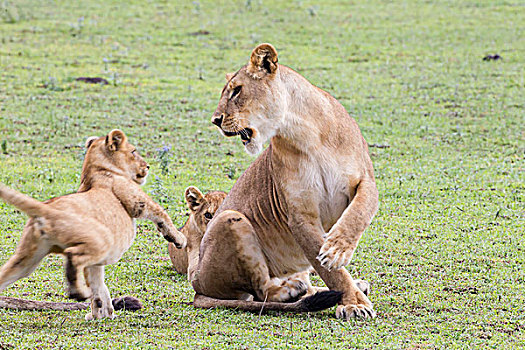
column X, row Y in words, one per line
column 446, row 252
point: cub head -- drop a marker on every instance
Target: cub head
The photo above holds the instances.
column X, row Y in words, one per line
column 253, row 100
column 114, row 154
column 202, row 209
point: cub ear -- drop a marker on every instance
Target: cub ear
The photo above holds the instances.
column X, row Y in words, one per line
column 90, row 140
column 263, row 60
column 194, row 197
column 229, row 76
column 115, row 139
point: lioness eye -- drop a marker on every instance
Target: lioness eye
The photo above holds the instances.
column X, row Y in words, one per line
column 208, row 216
column 236, row 91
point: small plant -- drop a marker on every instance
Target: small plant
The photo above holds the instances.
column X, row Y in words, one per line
column 163, row 156
column 47, row 174
column 9, row 12
column 114, row 78
column 76, row 29
column 65, row 124
column 4, row 146
column 312, row 10
column 197, row 7
column 159, row 193
column 52, row 84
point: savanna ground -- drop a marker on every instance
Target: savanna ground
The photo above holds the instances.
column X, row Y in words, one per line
column 446, row 252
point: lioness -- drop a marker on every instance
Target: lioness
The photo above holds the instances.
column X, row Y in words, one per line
column 92, row 227
column 305, row 201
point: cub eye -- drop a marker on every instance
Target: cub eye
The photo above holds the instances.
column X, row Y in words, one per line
column 133, row 152
column 208, row 215
column 236, row 91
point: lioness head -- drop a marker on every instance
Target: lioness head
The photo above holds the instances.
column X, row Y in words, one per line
column 252, row 100
column 113, row 153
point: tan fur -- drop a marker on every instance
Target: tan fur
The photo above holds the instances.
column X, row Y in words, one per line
column 305, row 201
column 202, row 208
column 92, row 227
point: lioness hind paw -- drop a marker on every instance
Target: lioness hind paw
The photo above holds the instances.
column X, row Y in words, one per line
column 348, row 312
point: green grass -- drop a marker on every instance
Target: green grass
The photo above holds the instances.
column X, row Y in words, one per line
column 446, row 252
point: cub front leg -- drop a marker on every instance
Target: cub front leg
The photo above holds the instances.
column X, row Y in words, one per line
column 139, row 205
column 340, row 243
column 308, row 232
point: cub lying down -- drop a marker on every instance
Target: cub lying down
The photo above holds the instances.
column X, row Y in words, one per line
column 91, row 228
column 202, row 208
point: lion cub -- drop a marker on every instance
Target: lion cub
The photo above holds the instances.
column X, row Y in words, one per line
column 91, row 228
column 202, row 208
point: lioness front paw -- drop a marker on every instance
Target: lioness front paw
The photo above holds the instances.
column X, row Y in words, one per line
column 336, row 252
column 348, row 312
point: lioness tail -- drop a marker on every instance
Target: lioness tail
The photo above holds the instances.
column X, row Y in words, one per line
column 318, row 301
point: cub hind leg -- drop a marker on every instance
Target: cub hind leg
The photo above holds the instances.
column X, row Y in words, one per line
column 79, row 257
column 29, row 252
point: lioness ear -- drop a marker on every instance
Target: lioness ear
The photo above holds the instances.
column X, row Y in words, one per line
column 229, row 76
column 90, row 140
column 194, row 197
column 115, row 139
column 263, row 60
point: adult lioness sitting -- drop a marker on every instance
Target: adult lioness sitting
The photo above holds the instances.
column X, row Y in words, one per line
column 305, row 201
column 92, row 227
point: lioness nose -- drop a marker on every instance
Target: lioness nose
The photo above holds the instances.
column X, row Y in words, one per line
column 217, row 120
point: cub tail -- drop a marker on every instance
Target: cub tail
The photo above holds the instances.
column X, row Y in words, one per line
column 316, row 302
column 28, row 205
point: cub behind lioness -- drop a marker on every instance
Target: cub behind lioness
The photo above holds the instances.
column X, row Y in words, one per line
column 92, row 227
column 202, row 208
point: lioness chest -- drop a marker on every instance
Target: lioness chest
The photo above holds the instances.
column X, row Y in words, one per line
column 265, row 197
column 323, row 184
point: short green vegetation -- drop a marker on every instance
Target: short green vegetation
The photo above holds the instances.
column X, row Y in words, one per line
column 446, row 252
